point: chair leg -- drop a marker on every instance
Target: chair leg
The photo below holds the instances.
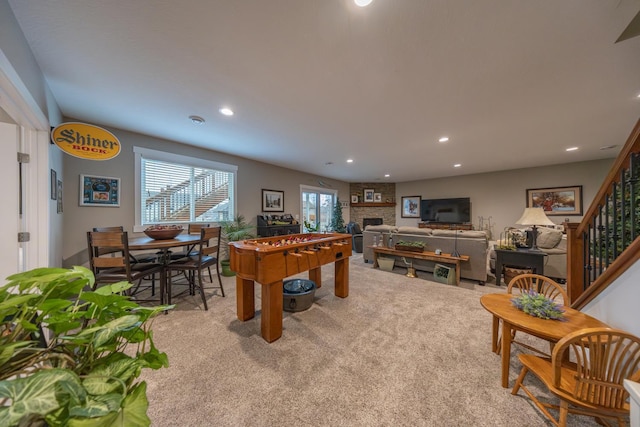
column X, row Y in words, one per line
column 516, row 386
column 219, row 279
column 210, row 275
column 564, row 410
column 204, row 298
column 163, row 286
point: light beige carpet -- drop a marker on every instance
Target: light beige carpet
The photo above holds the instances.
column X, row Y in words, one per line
column 396, row 352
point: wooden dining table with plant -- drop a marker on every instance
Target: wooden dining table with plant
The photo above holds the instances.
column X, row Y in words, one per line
column 503, row 309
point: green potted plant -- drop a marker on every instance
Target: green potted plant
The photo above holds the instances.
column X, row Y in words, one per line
column 81, row 374
column 233, row 231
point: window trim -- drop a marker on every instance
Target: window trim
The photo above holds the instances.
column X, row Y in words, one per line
column 147, row 153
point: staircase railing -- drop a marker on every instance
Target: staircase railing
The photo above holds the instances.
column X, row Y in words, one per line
column 607, row 241
column 176, row 202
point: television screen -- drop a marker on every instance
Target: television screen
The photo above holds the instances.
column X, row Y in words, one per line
column 455, row 211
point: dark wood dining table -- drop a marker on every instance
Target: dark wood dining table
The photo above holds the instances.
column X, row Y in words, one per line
column 143, row 243
column 501, row 307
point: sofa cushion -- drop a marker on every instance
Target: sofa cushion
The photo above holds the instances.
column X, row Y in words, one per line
column 469, row 234
column 382, row 228
column 548, row 238
column 555, row 251
column 415, row 230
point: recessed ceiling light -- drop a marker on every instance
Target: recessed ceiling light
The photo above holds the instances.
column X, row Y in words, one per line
column 196, row 120
column 608, row 147
column 349, row 160
column 386, row 175
column 444, row 139
column 226, row 111
column 638, row 95
column 571, row 149
column 457, row 165
column 362, row 3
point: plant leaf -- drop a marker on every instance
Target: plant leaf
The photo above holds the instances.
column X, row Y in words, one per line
column 35, row 394
column 101, row 379
column 132, row 414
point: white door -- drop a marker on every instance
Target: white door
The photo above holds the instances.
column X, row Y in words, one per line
column 11, row 260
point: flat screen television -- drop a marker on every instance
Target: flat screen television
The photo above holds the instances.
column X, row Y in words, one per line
column 453, row 211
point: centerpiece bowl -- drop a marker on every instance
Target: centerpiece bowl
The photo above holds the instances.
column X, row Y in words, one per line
column 164, row 233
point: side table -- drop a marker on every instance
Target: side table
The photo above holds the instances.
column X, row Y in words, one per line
column 524, row 258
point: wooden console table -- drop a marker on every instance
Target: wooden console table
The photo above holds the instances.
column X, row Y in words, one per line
column 429, row 256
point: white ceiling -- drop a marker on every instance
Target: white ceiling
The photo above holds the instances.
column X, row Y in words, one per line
column 313, row 82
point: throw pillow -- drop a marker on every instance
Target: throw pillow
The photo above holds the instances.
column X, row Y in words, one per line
column 548, row 238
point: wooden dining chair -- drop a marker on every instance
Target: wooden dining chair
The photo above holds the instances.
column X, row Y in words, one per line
column 208, row 253
column 144, row 258
column 134, row 258
column 191, row 250
column 542, row 285
column 110, row 262
column 592, row 383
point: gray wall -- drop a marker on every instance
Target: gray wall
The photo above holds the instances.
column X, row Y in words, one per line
column 253, row 176
column 14, row 46
column 501, row 196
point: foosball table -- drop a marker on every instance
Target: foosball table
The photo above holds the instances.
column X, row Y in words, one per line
column 269, row 260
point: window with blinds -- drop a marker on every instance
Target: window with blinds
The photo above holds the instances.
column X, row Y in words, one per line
column 180, row 190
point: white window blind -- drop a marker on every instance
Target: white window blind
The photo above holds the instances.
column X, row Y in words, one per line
column 177, row 191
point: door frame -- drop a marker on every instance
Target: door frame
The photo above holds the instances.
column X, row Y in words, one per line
column 311, row 189
column 19, row 104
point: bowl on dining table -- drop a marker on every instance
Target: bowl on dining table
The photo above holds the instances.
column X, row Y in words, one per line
column 162, row 233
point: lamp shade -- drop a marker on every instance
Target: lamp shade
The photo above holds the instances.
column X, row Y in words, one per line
column 534, row 216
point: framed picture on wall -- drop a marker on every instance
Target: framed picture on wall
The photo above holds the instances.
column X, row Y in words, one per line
column 99, row 191
column 59, row 194
column 368, row 195
column 410, row 207
column 272, row 201
column 54, row 185
column 377, row 197
column 354, row 198
column 556, row 200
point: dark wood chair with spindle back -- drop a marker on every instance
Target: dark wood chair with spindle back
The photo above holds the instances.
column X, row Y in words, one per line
column 111, row 262
column 206, row 256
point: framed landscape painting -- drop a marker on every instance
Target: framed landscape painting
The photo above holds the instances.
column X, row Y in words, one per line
column 272, row 201
column 556, row 200
column 410, row 207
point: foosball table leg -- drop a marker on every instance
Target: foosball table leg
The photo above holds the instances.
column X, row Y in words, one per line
column 316, row 277
column 342, row 278
column 271, row 318
column 245, row 299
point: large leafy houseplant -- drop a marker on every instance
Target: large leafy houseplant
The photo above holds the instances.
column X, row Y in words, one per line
column 233, row 231
column 80, row 375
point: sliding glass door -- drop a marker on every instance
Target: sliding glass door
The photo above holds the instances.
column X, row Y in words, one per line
column 317, row 208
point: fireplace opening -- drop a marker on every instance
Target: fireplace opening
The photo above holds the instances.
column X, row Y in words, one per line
column 371, row 221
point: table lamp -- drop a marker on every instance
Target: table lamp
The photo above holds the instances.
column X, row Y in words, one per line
column 534, row 217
